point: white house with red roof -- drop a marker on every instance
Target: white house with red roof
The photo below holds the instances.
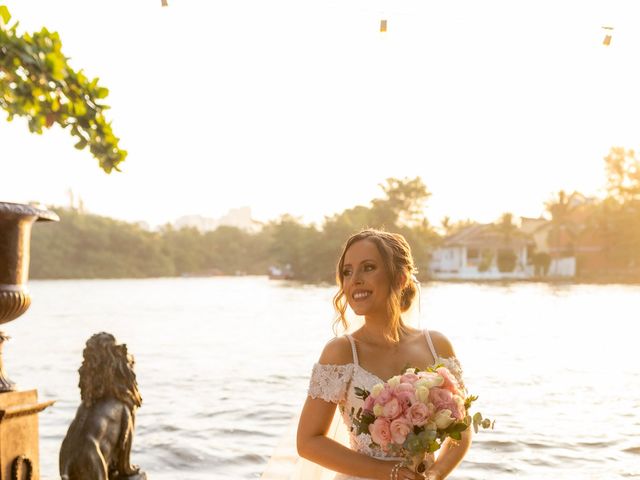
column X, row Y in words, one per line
column 474, row 253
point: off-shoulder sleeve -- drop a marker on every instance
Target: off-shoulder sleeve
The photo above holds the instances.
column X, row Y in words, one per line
column 330, row 382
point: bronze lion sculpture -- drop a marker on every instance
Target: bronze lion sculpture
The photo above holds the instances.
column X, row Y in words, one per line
column 98, row 443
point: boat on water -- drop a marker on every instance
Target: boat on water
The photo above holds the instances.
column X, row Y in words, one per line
column 280, row 273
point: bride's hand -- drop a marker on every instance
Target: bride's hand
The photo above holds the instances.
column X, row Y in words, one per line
column 433, row 475
column 392, row 472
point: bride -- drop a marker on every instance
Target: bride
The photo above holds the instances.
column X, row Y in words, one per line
column 376, row 280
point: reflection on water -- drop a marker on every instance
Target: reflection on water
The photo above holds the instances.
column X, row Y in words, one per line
column 223, row 366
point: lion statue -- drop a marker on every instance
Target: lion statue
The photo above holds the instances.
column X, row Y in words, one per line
column 98, row 443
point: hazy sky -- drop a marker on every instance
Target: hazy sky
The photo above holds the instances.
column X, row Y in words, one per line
column 304, row 107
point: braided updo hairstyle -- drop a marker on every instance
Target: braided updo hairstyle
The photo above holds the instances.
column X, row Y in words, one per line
column 398, row 263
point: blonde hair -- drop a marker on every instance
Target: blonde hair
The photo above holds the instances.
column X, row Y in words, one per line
column 398, row 261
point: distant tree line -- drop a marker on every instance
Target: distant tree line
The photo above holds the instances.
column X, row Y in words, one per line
column 89, row 246
column 612, row 222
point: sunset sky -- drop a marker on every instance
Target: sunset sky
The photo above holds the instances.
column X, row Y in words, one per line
column 304, row 107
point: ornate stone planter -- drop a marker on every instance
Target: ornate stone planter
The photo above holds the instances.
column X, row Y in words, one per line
column 19, row 453
column 15, row 238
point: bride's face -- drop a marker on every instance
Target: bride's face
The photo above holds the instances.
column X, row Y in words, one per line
column 365, row 279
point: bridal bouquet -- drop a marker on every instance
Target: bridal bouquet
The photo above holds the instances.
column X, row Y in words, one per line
column 414, row 413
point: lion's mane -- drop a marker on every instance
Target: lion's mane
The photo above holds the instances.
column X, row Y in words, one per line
column 107, row 371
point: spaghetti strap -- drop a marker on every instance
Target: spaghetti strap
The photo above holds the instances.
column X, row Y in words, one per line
column 353, row 349
column 431, row 347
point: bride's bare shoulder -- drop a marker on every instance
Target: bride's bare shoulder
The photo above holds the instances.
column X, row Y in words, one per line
column 336, row 352
column 442, row 344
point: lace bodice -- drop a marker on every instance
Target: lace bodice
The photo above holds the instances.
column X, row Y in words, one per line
column 337, row 383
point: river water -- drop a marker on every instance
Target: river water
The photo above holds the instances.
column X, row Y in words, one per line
column 223, row 366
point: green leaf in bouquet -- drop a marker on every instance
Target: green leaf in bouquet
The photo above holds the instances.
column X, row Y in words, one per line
column 361, row 393
column 469, row 400
column 427, row 435
column 413, row 444
column 477, row 420
column 363, row 421
column 395, row 450
column 428, row 439
column 433, row 446
column 457, row 427
column 434, row 367
column 4, row 14
column 407, row 366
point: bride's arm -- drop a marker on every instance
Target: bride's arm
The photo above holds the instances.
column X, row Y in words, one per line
column 315, row 421
column 314, row 445
column 452, row 452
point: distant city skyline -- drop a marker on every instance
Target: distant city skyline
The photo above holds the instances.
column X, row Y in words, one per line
column 304, row 108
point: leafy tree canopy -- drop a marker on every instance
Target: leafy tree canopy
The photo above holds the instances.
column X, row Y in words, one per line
column 37, row 82
column 623, row 174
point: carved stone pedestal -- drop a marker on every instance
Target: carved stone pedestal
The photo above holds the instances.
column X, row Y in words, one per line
column 19, row 435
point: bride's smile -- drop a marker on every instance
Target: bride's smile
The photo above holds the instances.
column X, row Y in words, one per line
column 366, row 282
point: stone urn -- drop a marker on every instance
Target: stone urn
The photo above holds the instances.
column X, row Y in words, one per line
column 15, row 238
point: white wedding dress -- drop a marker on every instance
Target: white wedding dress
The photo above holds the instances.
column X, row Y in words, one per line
column 337, row 383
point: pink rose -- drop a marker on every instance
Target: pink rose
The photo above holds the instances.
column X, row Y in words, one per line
column 450, row 382
column 409, row 378
column 369, row 403
column 400, row 428
column 440, row 397
column 380, row 432
column 418, row 414
column 406, row 398
column 392, row 409
column 443, row 399
column 461, row 411
column 384, row 396
column 404, row 387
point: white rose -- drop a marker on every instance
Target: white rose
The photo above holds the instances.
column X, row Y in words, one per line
column 377, row 388
column 394, row 381
column 422, row 393
column 460, row 402
column 430, row 380
column 443, row 418
column 410, row 370
column 377, row 410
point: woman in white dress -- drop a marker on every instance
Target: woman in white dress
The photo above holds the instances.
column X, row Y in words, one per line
column 376, row 280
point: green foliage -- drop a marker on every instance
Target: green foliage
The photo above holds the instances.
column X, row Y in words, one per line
column 88, row 246
column 623, row 174
column 486, row 260
column 541, row 262
column 480, row 422
column 455, row 430
column 506, row 260
column 292, row 243
column 362, row 420
column 361, row 393
column 37, row 82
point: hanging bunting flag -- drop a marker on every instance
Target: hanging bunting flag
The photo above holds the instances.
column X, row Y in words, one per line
column 383, row 26
column 607, row 37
